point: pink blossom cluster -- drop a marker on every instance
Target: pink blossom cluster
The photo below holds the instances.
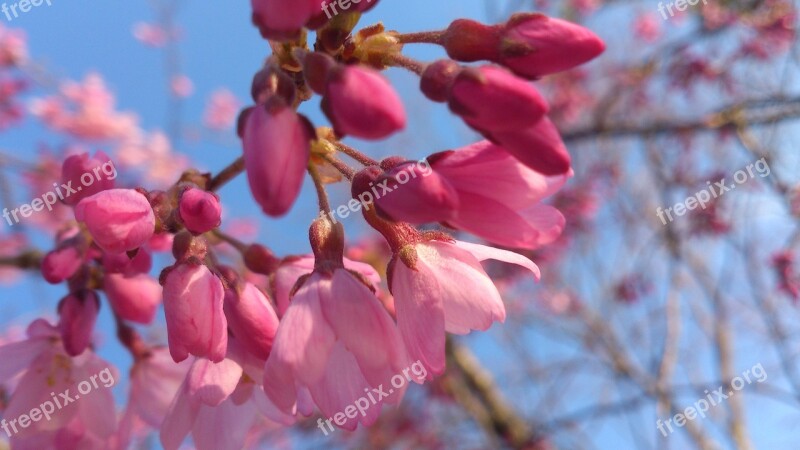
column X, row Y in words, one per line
column 245, row 355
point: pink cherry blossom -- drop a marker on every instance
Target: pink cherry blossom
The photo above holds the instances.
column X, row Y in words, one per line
column 193, row 302
column 99, row 170
column 251, row 318
column 200, row 211
column 78, row 314
column 334, row 341
column 119, row 220
column 133, row 297
column 446, row 289
column 221, row 110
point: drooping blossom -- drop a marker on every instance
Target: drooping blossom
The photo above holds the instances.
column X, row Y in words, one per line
column 119, row 220
column 441, row 287
column 252, row 318
column 193, row 302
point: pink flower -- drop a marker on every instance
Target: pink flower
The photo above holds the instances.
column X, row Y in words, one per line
column 45, row 369
column 335, row 341
column 61, row 263
column 119, row 220
column 181, row 86
column 425, row 196
column 279, row 19
column 360, row 102
column 154, row 383
column 196, row 325
column 486, row 182
column 538, row 146
column 538, row 45
column 276, row 151
column 218, row 403
column 149, row 34
column 252, row 319
column 221, row 110
column 445, row 289
column 291, row 269
column 87, row 175
column 200, row 211
column 78, row 313
column 133, row 297
column 491, row 98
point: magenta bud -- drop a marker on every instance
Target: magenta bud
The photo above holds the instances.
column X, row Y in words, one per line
column 86, row 176
column 260, row 259
column 61, row 263
column 77, row 316
column 119, row 220
column 437, row 78
column 199, row 210
column 539, row 147
column 252, row 319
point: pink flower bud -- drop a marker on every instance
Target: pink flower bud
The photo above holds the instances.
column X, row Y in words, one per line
column 196, row 325
column 539, row 147
column 282, row 19
column 277, row 143
column 252, row 319
column 87, row 176
column 360, row 102
column 437, row 78
column 534, row 45
column 419, row 195
column 119, row 220
column 78, row 313
column 199, row 210
column 491, row 98
column 142, row 262
column 134, row 298
column 61, row 264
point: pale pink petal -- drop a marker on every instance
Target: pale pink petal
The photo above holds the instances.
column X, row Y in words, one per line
column 212, row 383
column 180, row 419
column 482, row 253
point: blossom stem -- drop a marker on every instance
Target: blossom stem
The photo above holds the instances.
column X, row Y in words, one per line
column 227, row 174
column 407, row 63
column 343, row 168
column 240, row 246
column 31, row 259
column 130, row 339
column 324, row 204
column 423, row 37
column 355, row 154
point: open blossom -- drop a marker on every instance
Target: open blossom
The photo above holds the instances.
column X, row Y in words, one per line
column 119, row 220
column 360, row 102
column 446, row 289
column 44, row 368
column 218, row 403
column 277, row 144
column 481, row 179
column 196, row 324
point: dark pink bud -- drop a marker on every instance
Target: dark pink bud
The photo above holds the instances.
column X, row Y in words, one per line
column 61, row 264
column 260, row 259
column 87, row 176
column 78, row 313
column 134, row 298
column 419, row 195
column 196, row 325
column 360, row 102
column 142, row 262
column 437, row 78
column 277, row 143
column 467, row 40
column 199, row 210
column 490, row 98
column 539, row 147
column 252, row 319
column 534, row 45
column 119, row 220
column 281, row 19
column 317, row 67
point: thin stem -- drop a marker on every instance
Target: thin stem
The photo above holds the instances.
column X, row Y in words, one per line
column 423, row 37
column 343, row 168
column 407, row 63
column 31, row 259
column 240, row 246
column 355, row 154
column 324, row 204
column 227, row 174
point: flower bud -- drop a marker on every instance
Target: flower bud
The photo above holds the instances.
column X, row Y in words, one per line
column 539, row 147
column 78, row 314
column 61, row 263
column 134, row 298
column 87, row 176
column 492, row 99
column 260, row 259
column 277, row 143
column 418, row 196
column 437, row 78
column 199, row 210
column 360, row 102
column 281, row 19
column 252, row 319
column 119, row 220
